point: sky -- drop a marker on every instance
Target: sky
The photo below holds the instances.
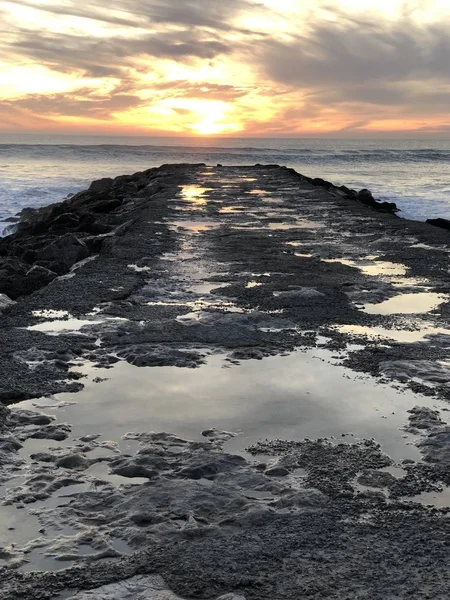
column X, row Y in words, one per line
column 270, row 68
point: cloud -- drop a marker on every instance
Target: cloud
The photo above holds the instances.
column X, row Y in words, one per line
column 353, row 54
column 80, row 103
column 276, row 71
column 105, row 58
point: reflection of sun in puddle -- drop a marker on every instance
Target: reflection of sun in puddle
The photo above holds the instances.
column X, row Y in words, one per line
column 258, row 192
column 194, row 193
column 407, row 304
column 231, row 210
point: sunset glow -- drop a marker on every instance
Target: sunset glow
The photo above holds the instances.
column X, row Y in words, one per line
column 241, row 67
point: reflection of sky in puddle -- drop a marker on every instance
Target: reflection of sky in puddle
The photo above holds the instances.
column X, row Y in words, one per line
column 200, row 304
column 206, row 287
column 71, row 324
column 292, row 397
column 253, row 284
column 373, row 267
column 407, row 304
column 139, row 269
column 399, row 335
column 195, row 226
column 439, row 499
column 54, row 327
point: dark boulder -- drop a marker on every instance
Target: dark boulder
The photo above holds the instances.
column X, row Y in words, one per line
column 94, row 228
column 5, row 302
column 64, row 222
column 12, row 275
column 101, row 185
column 63, row 252
column 318, row 181
column 40, row 276
column 442, row 223
column 106, row 206
column 366, row 197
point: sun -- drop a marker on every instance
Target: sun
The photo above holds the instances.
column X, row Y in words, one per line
column 202, row 117
column 211, row 118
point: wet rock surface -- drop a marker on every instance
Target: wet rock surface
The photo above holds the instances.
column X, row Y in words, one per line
column 178, row 267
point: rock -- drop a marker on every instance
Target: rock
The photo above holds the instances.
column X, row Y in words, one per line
column 101, row 185
column 365, row 196
column 376, row 479
column 442, row 223
column 43, row 457
column 106, row 206
column 40, row 275
column 29, row 417
column 12, row 274
column 50, row 432
column 276, row 471
column 64, row 222
column 4, row 415
column 139, row 587
column 64, row 252
column 405, row 370
column 5, row 301
column 422, row 417
column 436, row 446
column 73, row 461
column 209, row 464
column 9, row 444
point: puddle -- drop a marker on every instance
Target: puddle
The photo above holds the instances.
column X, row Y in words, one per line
column 297, row 224
column 438, row 499
column 232, row 210
column 407, row 304
column 295, row 244
column 291, row 397
column 195, row 193
column 399, row 335
column 194, row 226
column 371, row 267
column 206, row 287
column 258, row 192
column 56, row 326
column 253, row 284
column 139, row 269
column 201, row 305
column 17, row 526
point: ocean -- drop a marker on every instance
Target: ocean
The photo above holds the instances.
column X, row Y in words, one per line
column 36, row 170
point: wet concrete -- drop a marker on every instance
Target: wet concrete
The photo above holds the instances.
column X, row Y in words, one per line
column 247, row 300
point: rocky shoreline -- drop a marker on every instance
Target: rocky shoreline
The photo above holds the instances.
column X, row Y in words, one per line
column 175, row 268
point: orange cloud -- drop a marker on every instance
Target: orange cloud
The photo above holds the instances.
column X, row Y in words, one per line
column 244, row 67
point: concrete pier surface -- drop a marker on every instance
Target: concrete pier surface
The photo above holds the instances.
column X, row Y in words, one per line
column 224, row 382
